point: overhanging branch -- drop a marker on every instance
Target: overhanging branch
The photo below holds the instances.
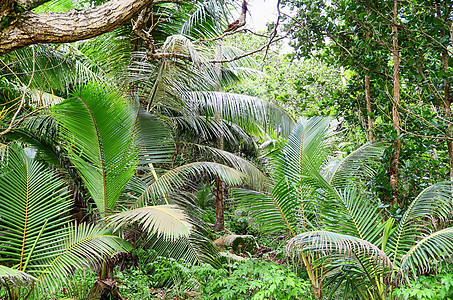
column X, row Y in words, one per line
column 31, row 28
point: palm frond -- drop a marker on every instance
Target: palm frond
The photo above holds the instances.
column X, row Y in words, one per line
column 285, row 207
column 100, row 141
column 53, row 72
column 435, row 201
column 194, row 249
column 34, row 206
column 14, row 275
column 271, row 215
column 356, row 166
column 305, row 147
column 349, row 212
column 177, row 177
column 40, row 98
column 255, row 177
column 168, row 221
column 206, row 19
column 107, row 55
column 254, row 115
column 208, row 128
column 41, row 133
column 346, row 246
column 35, row 234
column 434, row 247
column 153, row 139
column 78, row 247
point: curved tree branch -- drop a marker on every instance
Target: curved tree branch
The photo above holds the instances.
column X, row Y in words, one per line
column 31, row 28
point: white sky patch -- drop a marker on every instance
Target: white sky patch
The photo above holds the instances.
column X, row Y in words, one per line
column 261, row 12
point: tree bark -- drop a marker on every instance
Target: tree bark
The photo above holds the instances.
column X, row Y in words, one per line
column 447, row 103
column 220, row 185
column 28, row 28
column 368, row 108
column 394, row 165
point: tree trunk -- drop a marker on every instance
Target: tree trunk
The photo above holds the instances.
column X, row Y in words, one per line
column 317, row 292
column 370, row 135
column 219, row 206
column 394, row 165
column 219, row 185
column 447, row 103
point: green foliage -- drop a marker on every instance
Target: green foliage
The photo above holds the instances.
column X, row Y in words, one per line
column 303, row 87
column 154, row 272
column 78, row 287
column 427, row 288
column 252, row 279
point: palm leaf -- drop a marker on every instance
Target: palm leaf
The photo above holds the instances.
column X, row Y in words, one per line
column 194, row 250
column 169, row 221
column 41, row 133
column 435, row 201
column 206, row 19
column 252, row 114
column 371, row 258
column 349, row 212
column 77, row 247
column 177, row 177
column 209, row 128
column 255, row 177
column 356, row 166
column 153, row 139
column 434, row 247
column 285, row 207
column 36, row 237
column 100, row 141
column 305, row 147
column 34, row 206
column 271, row 215
column 14, row 275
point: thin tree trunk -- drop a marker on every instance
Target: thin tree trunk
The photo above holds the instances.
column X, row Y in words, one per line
column 219, row 185
column 394, row 165
column 368, row 97
column 368, row 108
column 447, row 104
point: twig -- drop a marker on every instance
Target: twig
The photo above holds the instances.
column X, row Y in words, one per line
column 248, row 53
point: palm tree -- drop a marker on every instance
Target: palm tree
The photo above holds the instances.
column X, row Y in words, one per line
column 37, row 236
column 337, row 228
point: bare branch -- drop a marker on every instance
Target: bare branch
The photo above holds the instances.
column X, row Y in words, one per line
column 250, row 52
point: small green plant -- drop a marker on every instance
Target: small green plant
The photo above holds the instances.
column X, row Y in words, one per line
column 135, row 284
column 438, row 287
column 252, row 279
column 154, row 272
